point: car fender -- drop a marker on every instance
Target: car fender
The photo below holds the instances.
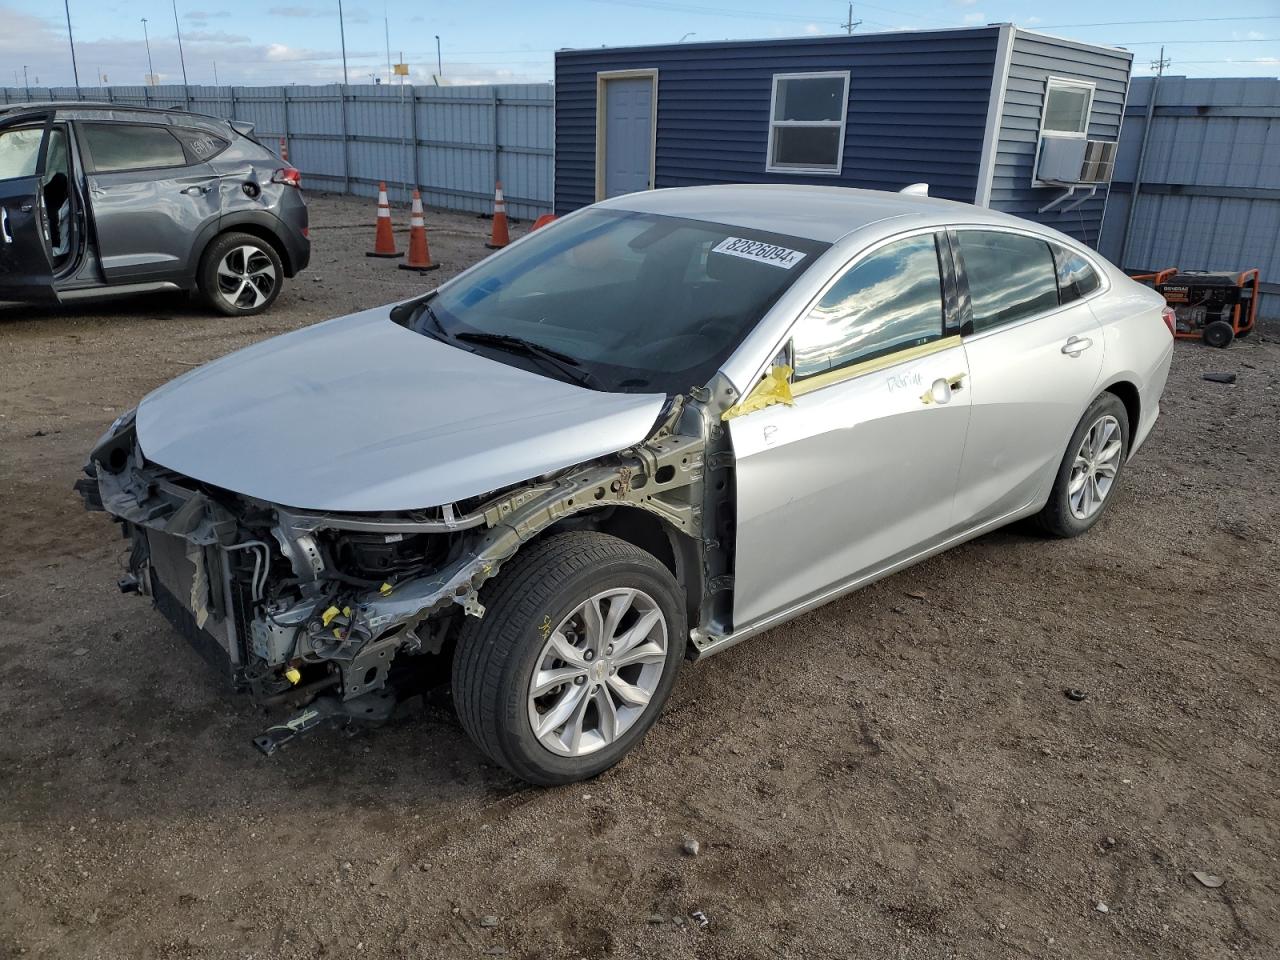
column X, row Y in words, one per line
column 260, row 219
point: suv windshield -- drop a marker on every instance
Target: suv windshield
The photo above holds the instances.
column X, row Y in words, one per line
column 623, row 301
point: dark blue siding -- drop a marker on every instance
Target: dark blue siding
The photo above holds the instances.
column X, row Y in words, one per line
column 1034, row 59
column 917, row 109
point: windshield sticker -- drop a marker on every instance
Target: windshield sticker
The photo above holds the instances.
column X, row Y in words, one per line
column 768, row 253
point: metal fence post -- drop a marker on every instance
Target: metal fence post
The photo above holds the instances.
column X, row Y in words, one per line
column 284, row 94
column 413, row 128
column 233, row 102
column 494, row 99
column 1136, row 186
column 346, row 140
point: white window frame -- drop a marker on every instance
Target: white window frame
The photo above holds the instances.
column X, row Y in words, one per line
column 769, row 165
column 1049, row 84
column 1052, row 82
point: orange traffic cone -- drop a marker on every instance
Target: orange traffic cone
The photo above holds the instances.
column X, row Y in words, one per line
column 419, row 255
column 384, row 243
column 542, row 221
column 284, row 149
column 500, row 237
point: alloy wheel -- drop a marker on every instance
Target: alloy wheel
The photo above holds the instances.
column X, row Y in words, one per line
column 246, row 277
column 597, row 671
column 1096, row 464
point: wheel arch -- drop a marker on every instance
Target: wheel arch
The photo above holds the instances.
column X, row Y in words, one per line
column 648, row 531
column 1128, row 393
column 258, row 226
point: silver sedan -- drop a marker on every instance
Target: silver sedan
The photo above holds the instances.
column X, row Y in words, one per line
column 640, row 435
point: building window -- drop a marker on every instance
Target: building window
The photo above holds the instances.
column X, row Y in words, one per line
column 1066, row 107
column 806, row 122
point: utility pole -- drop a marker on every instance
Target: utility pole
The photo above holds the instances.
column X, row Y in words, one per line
column 439, row 62
column 215, row 73
column 342, row 33
column 386, row 34
column 181, row 58
column 851, row 23
column 75, row 71
column 151, row 70
column 1159, row 66
column 25, row 82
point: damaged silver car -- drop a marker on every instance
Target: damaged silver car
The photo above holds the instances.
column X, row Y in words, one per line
column 641, row 434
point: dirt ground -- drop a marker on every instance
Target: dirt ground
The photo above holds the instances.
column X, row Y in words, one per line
column 898, row 774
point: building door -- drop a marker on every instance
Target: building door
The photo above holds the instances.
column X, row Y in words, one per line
column 625, row 132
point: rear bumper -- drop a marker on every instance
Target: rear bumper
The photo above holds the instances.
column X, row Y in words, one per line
column 297, row 246
column 1150, row 395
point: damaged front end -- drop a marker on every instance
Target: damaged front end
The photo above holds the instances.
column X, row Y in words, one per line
column 313, row 610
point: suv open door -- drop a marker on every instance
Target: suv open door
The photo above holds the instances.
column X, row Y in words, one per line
column 26, row 270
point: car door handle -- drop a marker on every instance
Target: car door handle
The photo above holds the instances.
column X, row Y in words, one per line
column 1076, row 346
column 196, row 191
column 942, row 389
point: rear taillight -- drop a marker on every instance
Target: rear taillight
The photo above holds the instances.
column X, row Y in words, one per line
column 1170, row 319
column 290, row 176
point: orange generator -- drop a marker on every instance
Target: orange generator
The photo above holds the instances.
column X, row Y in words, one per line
column 1213, row 307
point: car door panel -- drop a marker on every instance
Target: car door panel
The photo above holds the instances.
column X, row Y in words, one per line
column 26, row 267
column 26, row 272
column 851, row 478
column 149, row 199
column 147, row 221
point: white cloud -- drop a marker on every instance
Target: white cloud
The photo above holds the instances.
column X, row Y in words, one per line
column 812, row 29
column 213, row 36
column 975, row 18
column 965, row 3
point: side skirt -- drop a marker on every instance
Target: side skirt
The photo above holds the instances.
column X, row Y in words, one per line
column 719, row 644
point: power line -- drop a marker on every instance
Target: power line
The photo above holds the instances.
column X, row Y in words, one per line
column 1152, row 43
column 1121, row 23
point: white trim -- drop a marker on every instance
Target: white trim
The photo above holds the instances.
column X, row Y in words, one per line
column 1049, row 84
column 602, row 78
column 824, row 171
column 995, row 116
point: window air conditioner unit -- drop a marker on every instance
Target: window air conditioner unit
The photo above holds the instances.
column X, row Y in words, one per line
column 1073, row 160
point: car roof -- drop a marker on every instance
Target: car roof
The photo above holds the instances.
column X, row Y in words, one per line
column 77, row 109
column 817, row 213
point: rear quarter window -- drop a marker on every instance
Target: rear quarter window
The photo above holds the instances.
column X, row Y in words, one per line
column 1076, row 276
column 200, row 144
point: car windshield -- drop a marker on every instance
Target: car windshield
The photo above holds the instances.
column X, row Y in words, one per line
column 620, row 301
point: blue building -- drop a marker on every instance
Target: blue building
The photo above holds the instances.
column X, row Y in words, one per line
column 1000, row 116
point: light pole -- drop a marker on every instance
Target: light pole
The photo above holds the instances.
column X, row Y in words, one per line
column 75, row 71
column 151, row 71
column 181, row 59
column 25, row 82
column 439, row 63
column 342, row 33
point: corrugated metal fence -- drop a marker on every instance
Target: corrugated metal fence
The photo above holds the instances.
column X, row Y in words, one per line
column 452, row 142
column 1208, row 193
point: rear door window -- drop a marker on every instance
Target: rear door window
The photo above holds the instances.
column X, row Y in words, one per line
column 115, row 147
column 1076, row 277
column 1011, row 276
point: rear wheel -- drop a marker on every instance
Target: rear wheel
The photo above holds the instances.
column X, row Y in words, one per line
column 1089, row 469
column 240, row 274
column 574, row 658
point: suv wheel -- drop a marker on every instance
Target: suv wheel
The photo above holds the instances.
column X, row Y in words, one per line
column 1089, row 470
column 574, row 658
column 240, row 274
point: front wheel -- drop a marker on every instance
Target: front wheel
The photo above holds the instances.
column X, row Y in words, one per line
column 1089, row 469
column 240, row 274
column 575, row 657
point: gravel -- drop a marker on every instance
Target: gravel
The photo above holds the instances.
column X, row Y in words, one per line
column 876, row 783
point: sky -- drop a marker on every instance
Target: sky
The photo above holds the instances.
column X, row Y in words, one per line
column 271, row 42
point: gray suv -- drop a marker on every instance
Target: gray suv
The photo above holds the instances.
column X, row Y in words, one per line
column 100, row 200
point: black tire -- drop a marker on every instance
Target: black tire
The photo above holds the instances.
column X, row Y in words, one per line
column 1219, row 334
column 1057, row 518
column 496, row 655
column 208, row 279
